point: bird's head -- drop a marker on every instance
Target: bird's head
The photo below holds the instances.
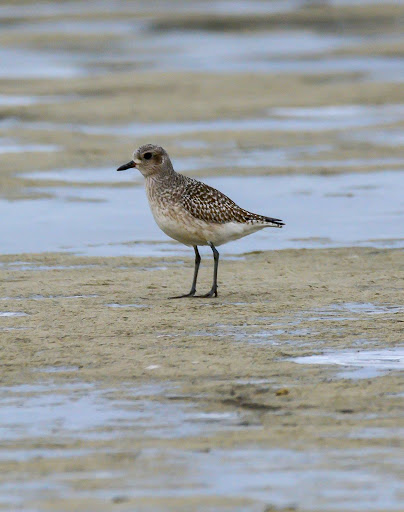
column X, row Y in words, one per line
column 149, row 159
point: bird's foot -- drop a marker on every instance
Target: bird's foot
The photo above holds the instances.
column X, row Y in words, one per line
column 190, row 294
column 212, row 293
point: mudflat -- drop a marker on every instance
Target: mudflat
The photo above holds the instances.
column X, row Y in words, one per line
column 106, row 326
column 285, row 392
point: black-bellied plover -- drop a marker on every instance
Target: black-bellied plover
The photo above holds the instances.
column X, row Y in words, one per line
column 190, row 211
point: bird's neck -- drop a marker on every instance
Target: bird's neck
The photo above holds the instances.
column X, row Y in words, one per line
column 159, row 186
column 162, row 179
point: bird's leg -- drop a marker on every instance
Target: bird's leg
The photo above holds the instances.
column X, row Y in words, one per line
column 196, row 269
column 213, row 291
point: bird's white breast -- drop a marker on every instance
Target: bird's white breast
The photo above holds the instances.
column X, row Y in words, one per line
column 178, row 223
column 183, row 227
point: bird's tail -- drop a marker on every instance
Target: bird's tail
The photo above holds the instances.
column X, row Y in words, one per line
column 274, row 223
column 262, row 220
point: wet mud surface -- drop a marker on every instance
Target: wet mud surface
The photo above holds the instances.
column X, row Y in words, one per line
column 127, row 385
column 284, row 393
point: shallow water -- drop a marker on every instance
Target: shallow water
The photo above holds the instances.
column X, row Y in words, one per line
column 26, row 265
column 296, row 157
column 348, row 311
column 19, row 100
column 83, row 412
column 210, row 51
column 368, row 308
column 48, row 297
column 283, row 478
column 28, row 63
column 270, row 332
column 319, row 479
column 104, row 6
column 135, row 43
column 319, row 211
column 52, row 9
column 115, row 305
column 239, row 159
column 367, row 363
column 8, row 145
column 277, row 119
column 390, row 137
column 13, row 314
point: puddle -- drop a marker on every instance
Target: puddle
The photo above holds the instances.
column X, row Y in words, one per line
column 26, row 455
column 18, row 63
column 11, row 100
column 271, row 51
column 54, row 10
column 284, row 478
column 122, row 223
column 278, row 119
column 261, row 337
column 267, row 332
column 368, row 308
column 22, row 266
column 132, row 37
column 366, row 364
column 114, row 305
column 67, row 416
column 12, row 314
column 325, row 480
column 184, row 50
column 49, row 297
column 389, row 137
column 8, row 145
column 335, row 312
column 81, row 411
column 87, row 175
column 265, row 337
column 377, row 433
column 58, row 369
column 347, row 115
column 296, row 157
column 239, row 158
column 350, row 162
column 373, row 68
column 241, row 51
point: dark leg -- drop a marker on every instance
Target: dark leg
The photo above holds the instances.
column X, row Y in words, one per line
column 213, row 291
column 196, row 269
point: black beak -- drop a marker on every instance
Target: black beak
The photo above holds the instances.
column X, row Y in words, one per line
column 127, row 166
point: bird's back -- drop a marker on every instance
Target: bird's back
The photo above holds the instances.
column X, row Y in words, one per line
column 209, row 204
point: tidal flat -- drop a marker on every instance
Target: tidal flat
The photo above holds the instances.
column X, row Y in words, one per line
column 106, row 382
column 284, row 393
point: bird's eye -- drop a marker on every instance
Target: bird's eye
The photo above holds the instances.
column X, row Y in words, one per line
column 147, row 156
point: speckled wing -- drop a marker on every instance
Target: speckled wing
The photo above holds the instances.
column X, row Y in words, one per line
column 210, row 205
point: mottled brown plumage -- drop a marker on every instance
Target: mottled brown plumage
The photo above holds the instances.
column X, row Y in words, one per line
column 211, row 205
column 191, row 211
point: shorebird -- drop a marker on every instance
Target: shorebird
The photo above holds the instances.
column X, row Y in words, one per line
column 192, row 212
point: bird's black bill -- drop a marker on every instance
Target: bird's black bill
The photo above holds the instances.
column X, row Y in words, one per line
column 127, row 166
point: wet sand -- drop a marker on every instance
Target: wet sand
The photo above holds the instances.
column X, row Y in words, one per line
column 67, row 124
column 232, row 355
column 113, row 396
column 256, row 292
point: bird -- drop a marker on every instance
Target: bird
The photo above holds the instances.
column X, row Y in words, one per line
column 192, row 212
